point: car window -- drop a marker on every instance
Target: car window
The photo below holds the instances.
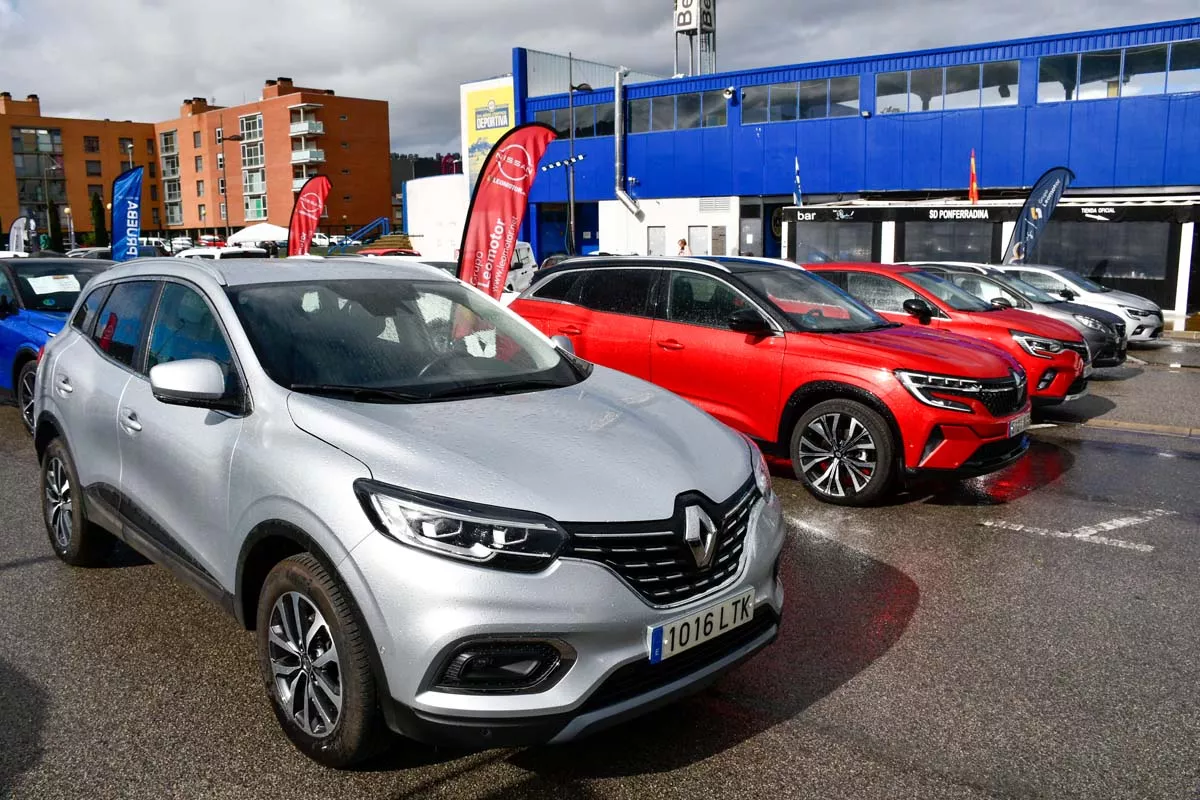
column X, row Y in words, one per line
column 878, row 291
column 618, row 291
column 87, row 313
column 121, row 321
column 559, row 287
column 983, row 288
column 948, row 293
column 696, row 299
column 1040, row 280
column 419, row 340
column 185, row 327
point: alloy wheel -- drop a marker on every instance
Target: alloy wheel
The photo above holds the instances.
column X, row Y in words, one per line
column 25, row 397
column 837, row 455
column 58, row 497
column 305, row 665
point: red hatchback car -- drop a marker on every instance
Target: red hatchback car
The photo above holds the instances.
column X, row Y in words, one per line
column 791, row 361
column 1054, row 355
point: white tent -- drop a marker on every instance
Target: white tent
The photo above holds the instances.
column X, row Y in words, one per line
column 262, row 232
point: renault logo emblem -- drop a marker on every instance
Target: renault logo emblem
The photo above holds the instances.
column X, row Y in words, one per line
column 700, row 534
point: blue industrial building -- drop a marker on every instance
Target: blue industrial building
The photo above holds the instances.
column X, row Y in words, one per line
column 883, row 145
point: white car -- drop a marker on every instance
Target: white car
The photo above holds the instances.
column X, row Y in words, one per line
column 218, row 253
column 1145, row 318
column 180, row 243
column 11, row 254
column 153, row 241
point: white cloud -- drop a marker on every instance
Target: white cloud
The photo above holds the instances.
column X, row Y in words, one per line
column 137, row 59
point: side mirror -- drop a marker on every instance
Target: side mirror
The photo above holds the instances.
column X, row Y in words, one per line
column 918, row 308
column 195, row 382
column 1002, row 302
column 749, row 321
column 1068, row 295
column 563, row 343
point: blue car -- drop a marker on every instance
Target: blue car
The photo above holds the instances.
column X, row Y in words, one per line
column 36, row 295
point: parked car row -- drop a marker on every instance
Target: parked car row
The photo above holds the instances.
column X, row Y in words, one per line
column 483, row 528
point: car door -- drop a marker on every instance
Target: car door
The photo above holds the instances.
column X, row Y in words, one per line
column 88, row 380
column 175, row 476
column 609, row 322
column 10, row 338
column 733, row 376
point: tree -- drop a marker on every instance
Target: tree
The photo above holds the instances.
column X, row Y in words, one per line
column 98, row 225
column 55, row 231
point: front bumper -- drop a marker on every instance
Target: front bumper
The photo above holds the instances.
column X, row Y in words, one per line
column 987, row 458
column 422, row 607
column 1145, row 329
column 1107, row 351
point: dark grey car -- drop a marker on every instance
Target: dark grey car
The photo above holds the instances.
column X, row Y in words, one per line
column 1103, row 331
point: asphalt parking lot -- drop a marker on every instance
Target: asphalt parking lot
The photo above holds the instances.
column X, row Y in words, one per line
column 1032, row 634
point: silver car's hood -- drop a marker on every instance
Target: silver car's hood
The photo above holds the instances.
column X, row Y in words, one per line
column 613, row 448
column 1131, row 300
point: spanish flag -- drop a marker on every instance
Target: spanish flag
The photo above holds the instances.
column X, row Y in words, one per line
column 973, row 192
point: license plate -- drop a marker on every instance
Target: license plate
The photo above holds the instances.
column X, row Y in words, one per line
column 703, row 626
column 1019, row 425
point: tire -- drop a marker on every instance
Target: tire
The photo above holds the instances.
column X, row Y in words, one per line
column 23, row 390
column 75, row 540
column 331, row 734
column 844, row 453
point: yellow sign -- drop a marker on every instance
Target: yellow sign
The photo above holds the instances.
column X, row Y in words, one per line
column 488, row 114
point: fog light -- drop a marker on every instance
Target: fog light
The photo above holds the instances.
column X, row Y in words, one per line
column 1139, row 330
column 499, row 666
column 1047, row 379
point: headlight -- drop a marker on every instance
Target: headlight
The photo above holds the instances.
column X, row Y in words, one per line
column 493, row 537
column 1092, row 322
column 1137, row 313
column 762, row 474
column 931, row 389
column 1038, row 346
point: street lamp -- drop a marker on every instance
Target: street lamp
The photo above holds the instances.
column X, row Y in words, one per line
column 237, row 137
column 572, row 88
column 46, row 190
column 128, row 148
column 70, row 226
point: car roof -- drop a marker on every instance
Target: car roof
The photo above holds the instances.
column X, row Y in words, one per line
column 255, row 271
column 716, row 265
column 862, row 266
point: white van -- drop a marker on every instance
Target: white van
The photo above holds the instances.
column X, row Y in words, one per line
column 217, row 253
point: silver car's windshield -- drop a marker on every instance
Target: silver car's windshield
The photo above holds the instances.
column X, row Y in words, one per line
column 383, row 340
column 1086, row 284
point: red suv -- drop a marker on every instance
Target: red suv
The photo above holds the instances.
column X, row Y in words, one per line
column 1054, row 354
column 791, row 361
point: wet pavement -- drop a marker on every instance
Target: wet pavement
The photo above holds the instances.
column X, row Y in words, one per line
column 1183, row 353
column 1028, row 635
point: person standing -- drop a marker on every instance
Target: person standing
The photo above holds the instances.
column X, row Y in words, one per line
column 684, row 250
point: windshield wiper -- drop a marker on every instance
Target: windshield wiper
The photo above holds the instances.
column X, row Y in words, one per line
column 500, row 388
column 364, row 393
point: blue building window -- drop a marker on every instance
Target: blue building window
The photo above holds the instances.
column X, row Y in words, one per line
column 948, row 88
column 1132, row 72
column 788, row 102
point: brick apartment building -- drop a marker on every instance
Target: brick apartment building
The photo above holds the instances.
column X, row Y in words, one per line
column 70, row 159
column 255, row 156
column 249, row 159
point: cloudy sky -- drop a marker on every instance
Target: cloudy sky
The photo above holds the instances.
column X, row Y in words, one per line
column 137, row 59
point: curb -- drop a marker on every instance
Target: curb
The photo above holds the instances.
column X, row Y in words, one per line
column 1137, row 427
column 1187, row 336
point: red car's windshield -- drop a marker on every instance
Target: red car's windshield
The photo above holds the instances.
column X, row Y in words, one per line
column 812, row 303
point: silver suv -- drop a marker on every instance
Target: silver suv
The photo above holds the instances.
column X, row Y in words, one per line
column 431, row 516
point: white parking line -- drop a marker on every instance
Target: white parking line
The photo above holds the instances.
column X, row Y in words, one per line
column 1089, row 533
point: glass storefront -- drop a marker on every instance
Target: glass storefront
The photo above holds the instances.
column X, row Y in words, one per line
column 949, row 241
column 1131, row 256
column 817, row 242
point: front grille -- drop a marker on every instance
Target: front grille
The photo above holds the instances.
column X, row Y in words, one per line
column 654, row 559
column 640, row 677
column 1080, row 347
column 993, row 454
column 1004, row 396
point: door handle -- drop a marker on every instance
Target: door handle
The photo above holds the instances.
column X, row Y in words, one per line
column 669, row 344
column 63, row 384
column 129, row 420
column 570, row 330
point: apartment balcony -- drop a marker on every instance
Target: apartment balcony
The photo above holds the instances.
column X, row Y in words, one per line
column 308, row 156
column 298, row 183
column 309, row 127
